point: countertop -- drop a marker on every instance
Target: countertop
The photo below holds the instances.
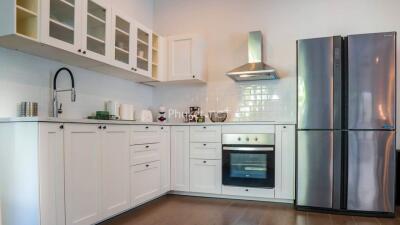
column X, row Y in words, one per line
column 124, row 122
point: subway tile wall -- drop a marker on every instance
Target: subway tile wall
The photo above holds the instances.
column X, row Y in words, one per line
column 245, row 101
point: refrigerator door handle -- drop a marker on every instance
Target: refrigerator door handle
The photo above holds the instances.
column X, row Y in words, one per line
column 345, row 156
column 337, row 82
column 337, row 169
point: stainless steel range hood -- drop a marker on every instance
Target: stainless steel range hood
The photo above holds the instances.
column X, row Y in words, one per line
column 255, row 69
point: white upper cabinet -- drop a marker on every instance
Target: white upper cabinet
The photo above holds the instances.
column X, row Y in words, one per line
column 20, row 18
column 61, row 24
column 186, row 58
column 143, row 50
column 95, row 35
column 123, row 37
column 96, row 29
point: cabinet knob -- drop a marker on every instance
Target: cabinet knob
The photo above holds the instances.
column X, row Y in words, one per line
column 84, row 52
column 247, row 190
column 134, row 69
column 204, row 144
column 104, row 127
column 99, row 127
column 162, row 128
column 147, row 127
column 147, row 165
column 204, row 161
column 79, row 50
column 204, row 127
column 147, row 146
column 194, row 76
column 61, row 127
column 284, row 126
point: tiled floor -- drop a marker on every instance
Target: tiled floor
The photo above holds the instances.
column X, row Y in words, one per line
column 181, row 210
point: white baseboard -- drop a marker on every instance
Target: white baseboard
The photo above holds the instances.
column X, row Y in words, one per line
column 288, row 201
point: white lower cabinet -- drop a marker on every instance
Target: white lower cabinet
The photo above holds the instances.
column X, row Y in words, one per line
column 205, row 176
column 285, row 161
column 96, row 172
column 180, row 164
column 82, row 174
column 51, row 174
column 165, row 159
column 145, row 182
column 115, row 196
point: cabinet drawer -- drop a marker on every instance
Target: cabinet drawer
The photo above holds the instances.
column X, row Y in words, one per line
column 145, row 135
column 205, row 151
column 144, row 153
column 248, row 192
column 205, row 134
column 205, row 176
column 145, row 182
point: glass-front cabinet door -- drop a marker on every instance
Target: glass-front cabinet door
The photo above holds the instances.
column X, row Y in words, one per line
column 122, row 49
column 143, row 50
column 96, row 21
column 61, row 24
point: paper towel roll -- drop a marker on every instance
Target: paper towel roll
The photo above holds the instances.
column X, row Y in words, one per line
column 126, row 112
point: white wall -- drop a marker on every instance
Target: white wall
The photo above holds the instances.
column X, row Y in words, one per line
column 28, row 78
column 225, row 24
column 140, row 10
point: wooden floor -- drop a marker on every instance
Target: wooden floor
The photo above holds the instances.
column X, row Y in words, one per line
column 181, row 210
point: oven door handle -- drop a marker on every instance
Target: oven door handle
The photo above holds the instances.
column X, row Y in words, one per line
column 255, row 149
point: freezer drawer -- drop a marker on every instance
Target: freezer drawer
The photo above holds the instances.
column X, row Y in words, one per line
column 371, row 81
column 319, row 83
column 371, row 171
column 315, row 168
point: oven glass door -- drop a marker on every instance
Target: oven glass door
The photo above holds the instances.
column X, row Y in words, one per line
column 248, row 168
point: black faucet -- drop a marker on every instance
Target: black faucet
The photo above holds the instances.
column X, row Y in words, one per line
column 56, row 109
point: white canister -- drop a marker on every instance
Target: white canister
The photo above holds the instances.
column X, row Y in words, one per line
column 126, row 112
column 112, row 108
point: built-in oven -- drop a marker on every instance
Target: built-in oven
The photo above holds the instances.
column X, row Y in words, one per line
column 248, row 160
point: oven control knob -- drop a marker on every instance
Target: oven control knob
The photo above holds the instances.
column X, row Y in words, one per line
column 247, row 139
column 256, row 139
column 239, row 139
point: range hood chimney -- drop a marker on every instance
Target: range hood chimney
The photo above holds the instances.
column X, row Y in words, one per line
column 255, row 69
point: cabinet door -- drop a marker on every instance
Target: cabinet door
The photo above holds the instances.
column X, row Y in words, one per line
column 96, row 29
column 61, row 24
column 205, row 176
column 51, row 174
column 180, row 151
column 145, row 182
column 165, row 159
column 285, row 161
column 186, row 58
column 122, row 49
column 115, row 169
column 143, row 50
column 82, row 174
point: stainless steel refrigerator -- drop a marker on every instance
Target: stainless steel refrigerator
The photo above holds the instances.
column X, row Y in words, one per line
column 346, row 123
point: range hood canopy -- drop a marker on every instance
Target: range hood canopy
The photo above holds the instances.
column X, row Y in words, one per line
column 255, row 69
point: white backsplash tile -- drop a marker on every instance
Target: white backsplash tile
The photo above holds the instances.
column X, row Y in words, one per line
column 245, row 101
